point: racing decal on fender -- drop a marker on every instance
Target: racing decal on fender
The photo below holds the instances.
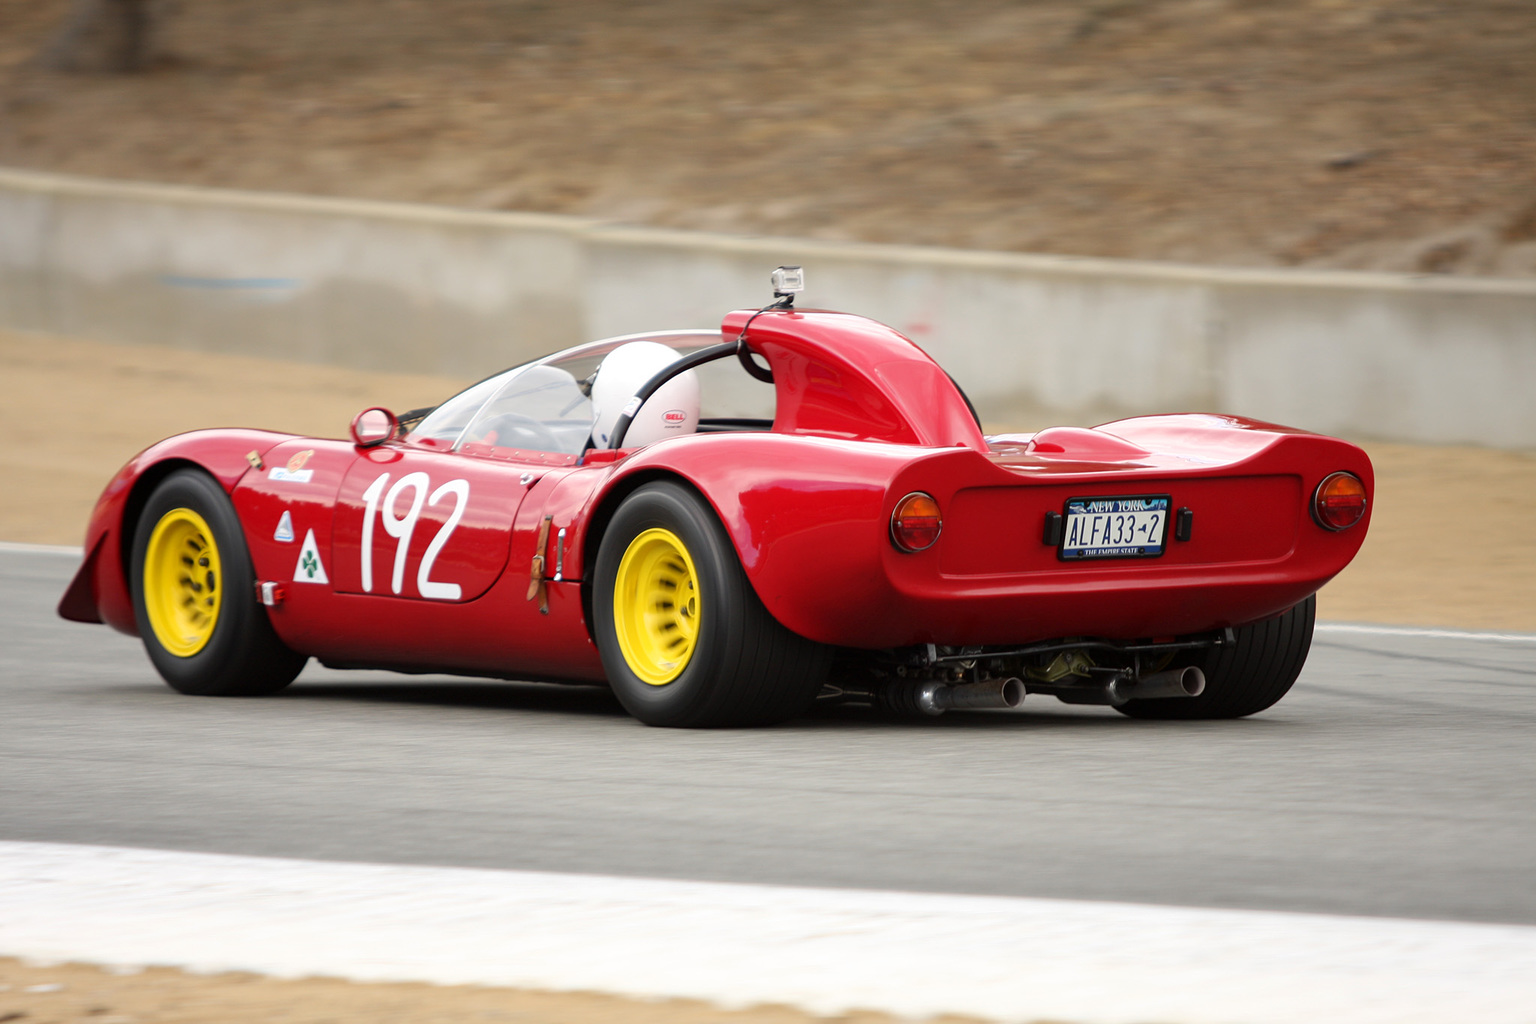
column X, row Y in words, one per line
column 310, row 569
column 294, row 472
column 284, row 532
column 402, row 527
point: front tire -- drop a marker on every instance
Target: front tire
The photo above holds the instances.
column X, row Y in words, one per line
column 684, row 639
column 194, row 595
column 1246, row 677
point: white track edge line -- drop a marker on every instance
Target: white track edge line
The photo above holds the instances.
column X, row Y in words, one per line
column 1366, row 629
column 14, row 547
column 826, row 951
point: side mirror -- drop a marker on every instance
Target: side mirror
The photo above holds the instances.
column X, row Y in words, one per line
column 372, row 427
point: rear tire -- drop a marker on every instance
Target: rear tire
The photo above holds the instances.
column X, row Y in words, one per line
column 1246, row 677
column 194, row 595
column 684, row 639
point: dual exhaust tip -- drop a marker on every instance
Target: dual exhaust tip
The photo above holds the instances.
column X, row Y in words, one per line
column 934, row 698
column 937, row 698
column 1177, row 682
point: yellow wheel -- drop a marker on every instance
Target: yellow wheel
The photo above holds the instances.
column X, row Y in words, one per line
column 183, row 582
column 684, row 639
column 194, row 594
column 656, row 606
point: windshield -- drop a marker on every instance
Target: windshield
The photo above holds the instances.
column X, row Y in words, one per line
column 443, row 425
column 538, row 408
column 544, row 405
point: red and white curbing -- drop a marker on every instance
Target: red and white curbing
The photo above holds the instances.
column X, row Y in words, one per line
column 825, row 951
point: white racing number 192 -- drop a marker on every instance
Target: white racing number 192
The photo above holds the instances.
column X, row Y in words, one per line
column 401, row 528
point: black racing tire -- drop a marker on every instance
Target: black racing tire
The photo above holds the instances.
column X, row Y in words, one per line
column 732, row 663
column 230, row 649
column 1246, row 677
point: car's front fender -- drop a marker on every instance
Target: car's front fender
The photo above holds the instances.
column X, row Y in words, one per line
column 100, row 591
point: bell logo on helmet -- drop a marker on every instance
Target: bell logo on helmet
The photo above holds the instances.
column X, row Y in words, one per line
column 674, row 417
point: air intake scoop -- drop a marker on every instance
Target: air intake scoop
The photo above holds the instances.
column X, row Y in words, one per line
column 1083, row 443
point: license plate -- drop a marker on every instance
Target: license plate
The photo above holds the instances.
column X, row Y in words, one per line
column 1130, row 527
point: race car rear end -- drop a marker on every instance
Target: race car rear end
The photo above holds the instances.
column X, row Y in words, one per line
column 1127, row 565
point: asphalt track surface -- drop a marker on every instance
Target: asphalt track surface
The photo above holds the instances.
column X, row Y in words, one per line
column 1396, row 780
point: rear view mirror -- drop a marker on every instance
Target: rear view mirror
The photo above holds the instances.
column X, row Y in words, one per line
column 373, row 427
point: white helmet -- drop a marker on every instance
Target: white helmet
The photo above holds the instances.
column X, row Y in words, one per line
column 672, row 411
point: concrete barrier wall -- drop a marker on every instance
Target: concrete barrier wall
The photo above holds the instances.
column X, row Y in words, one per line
column 1032, row 338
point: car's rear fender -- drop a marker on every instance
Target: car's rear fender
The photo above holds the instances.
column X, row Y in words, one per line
column 821, row 499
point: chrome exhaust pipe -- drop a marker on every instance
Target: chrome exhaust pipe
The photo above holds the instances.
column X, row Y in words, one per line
column 934, row 698
column 1178, row 682
column 1118, row 691
column 987, row 694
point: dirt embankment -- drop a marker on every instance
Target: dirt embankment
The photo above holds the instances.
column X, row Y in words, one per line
column 1388, row 134
column 1451, row 542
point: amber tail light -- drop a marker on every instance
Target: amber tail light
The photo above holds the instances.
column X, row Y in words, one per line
column 915, row 524
column 1339, row 501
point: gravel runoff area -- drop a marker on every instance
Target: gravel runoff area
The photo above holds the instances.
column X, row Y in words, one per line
column 1450, row 542
column 32, row 993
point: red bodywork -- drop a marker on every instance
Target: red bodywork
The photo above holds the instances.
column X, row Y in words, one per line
column 863, row 418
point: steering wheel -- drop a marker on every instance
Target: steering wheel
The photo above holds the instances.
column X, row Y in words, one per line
column 514, row 430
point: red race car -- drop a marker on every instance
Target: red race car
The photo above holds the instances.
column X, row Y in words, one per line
column 587, row 517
